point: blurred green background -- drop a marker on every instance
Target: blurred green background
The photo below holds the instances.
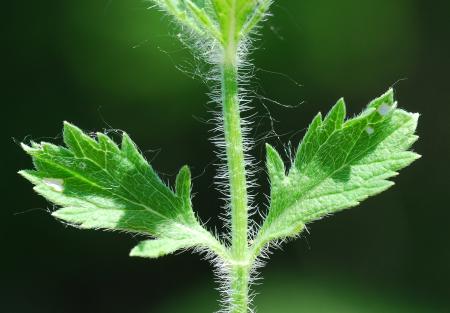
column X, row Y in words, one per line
column 105, row 64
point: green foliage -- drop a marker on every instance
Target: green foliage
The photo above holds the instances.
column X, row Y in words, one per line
column 338, row 164
column 101, row 185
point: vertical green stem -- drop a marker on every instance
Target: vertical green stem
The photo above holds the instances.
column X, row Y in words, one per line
column 238, row 182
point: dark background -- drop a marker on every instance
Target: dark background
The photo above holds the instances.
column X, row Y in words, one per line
column 113, row 64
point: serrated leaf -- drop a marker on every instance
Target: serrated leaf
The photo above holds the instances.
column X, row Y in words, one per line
column 338, row 164
column 101, row 185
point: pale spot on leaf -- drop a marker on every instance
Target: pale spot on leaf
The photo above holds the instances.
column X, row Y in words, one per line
column 54, row 183
column 384, row 109
column 370, row 130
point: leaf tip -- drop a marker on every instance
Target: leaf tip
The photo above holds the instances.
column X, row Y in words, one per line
column 185, row 169
column 318, row 118
column 416, row 156
column 25, row 147
column 272, row 154
column 67, row 124
column 139, row 252
column 57, row 214
column 270, row 148
column 26, row 174
column 389, row 95
column 69, row 127
column 31, row 176
column 183, row 183
column 386, row 99
column 127, row 143
column 31, row 149
column 135, row 252
column 275, row 163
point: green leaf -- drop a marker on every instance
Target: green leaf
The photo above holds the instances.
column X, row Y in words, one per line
column 101, row 185
column 338, row 164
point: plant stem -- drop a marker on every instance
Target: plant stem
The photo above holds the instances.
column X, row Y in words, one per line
column 239, row 270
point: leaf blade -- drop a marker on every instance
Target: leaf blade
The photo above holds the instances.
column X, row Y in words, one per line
column 338, row 165
column 99, row 185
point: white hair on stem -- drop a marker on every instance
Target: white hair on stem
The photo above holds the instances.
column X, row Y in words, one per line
column 210, row 51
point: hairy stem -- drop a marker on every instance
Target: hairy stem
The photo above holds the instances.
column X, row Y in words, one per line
column 239, row 273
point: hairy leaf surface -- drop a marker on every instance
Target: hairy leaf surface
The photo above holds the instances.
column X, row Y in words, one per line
column 101, row 185
column 338, row 164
